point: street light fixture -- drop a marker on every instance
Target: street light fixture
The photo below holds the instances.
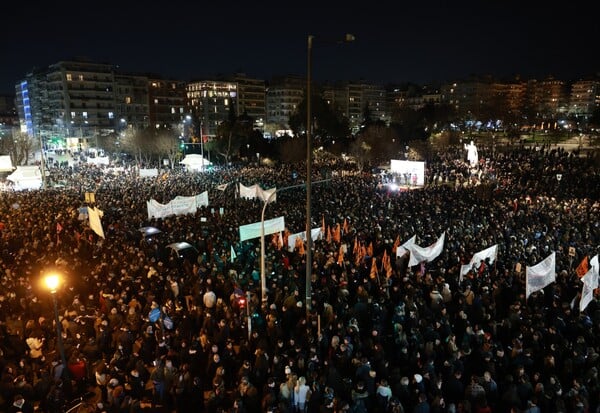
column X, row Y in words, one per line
column 347, row 39
column 52, row 282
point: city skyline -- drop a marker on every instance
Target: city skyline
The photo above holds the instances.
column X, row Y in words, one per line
column 421, row 43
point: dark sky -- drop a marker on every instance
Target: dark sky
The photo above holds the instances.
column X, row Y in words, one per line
column 420, row 41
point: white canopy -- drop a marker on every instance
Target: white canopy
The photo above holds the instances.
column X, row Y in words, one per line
column 26, row 177
column 195, row 162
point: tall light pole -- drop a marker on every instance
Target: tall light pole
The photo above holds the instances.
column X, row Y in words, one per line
column 308, row 278
column 263, row 275
column 42, row 161
column 52, row 282
column 347, row 38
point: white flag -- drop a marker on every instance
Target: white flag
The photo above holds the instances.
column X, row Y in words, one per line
column 222, row 187
column 95, row 224
column 403, row 249
column 419, row 254
column 478, row 257
column 594, row 264
column 233, row 254
column 540, row 275
column 590, row 282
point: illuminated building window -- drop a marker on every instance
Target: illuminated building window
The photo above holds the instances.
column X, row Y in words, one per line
column 69, row 77
column 128, row 99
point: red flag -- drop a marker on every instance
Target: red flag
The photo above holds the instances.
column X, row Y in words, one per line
column 345, row 227
column 374, row 273
column 370, row 249
column 340, row 259
column 300, row 246
column 323, row 228
column 387, row 264
column 337, row 236
column 583, row 267
column 59, row 228
column 328, row 238
column 396, row 244
column 286, row 234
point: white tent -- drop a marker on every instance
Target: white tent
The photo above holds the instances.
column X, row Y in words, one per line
column 26, row 177
column 195, row 162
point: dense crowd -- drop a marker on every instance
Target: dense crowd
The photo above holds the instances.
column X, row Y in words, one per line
column 145, row 330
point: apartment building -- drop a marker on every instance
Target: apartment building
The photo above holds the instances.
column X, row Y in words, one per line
column 167, row 102
column 212, row 101
column 251, row 98
column 132, row 101
column 584, row 98
column 73, row 100
column 283, row 96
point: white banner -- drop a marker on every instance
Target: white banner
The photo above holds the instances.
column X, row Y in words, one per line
column 315, row 234
column 202, row 199
column 248, row 191
column 251, row 231
column 478, row 257
column 255, row 191
column 158, row 210
column 419, row 254
column 264, row 194
column 180, row 205
column 150, row 172
column 540, row 275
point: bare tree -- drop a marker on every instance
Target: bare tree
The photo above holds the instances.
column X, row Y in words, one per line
column 167, row 144
column 19, row 146
column 360, row 150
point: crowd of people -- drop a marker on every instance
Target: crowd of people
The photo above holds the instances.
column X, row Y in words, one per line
column 145, row 330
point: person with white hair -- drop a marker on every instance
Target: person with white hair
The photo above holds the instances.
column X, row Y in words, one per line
column 301, row 394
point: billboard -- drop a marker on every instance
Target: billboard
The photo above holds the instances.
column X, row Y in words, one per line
column 409, row 172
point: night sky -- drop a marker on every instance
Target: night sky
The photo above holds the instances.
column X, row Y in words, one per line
column 419, row 42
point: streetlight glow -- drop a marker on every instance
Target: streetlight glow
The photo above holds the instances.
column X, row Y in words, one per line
column 52, row 282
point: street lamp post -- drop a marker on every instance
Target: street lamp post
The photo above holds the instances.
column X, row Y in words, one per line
column 263, row 276
column 42, row 162
column 308, row 277
column 52, row 283
column 309, row 243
